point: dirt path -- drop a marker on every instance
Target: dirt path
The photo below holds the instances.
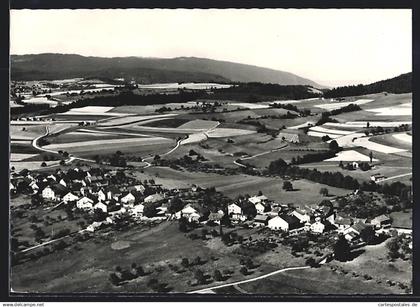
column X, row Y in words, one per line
column 206, row 290
column 394, row 177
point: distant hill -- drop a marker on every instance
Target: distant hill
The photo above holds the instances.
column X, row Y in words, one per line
column 397, row 85
column 50, row 66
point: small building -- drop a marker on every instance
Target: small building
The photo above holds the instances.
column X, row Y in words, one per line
column 260, row 208
column 235, row 213
column 284, row 222
column 381, row 221
column 100, row 205
column 101, row 195
column 302, row 215
column 261, row 220
column 128, row 199
column 84, row 203
column 317, row 227
column 216, row 217
column 153, row 198
column 48, row 193
column 137, row 211
column 258, row 199
column 70, row 197
column 342, row 223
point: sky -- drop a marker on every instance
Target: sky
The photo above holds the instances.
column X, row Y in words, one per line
column 333, row 47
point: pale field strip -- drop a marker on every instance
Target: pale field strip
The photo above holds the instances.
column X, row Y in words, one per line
column 199, row 124
column 347, row 140
column 403, row 137
column 365, row 142
column 362, row 124
column 40, row 100
column 100, row 133
column 350, row 155
column 321, row 134
column 15, row 157
column 139, row 141
column 228, row 132
column 20, row 141
column 92, row 109
column 167, row 130
column 182, row 85
column 333, row 131
column 250, row 106
column 194, row 138
column 132, row 119
column 302, row 125
column 337, row 105
column 392, row 111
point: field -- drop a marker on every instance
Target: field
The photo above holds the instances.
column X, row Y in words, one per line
column 305, row 193
column 86, row 266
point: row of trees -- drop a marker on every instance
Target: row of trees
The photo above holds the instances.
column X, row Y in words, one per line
column 337, row 179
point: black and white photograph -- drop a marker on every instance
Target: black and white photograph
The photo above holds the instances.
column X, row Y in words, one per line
column 210, row 152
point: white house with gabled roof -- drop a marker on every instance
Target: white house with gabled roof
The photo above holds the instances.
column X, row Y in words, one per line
column 84, row 203
column 69, row 197
column 100, row 205
column 127, row 199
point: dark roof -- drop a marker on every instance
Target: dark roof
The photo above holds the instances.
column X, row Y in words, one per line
column 359, row 226
column 261, row 218
column 113, row 189
column 290, row 219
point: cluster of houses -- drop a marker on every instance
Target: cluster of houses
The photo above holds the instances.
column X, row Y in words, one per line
column 91, row 189
column 315, row 219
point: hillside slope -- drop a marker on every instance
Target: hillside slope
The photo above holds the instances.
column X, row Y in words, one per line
column 146, row 70
column 397, row 85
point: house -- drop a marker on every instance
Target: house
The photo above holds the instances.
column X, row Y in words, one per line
column 258, row 199
column 302, row 215
column 261, row 220
column 69, row 197
column 137, row 211
column 289, row 135
column 95, row 225
column 48, row 193
column 62, row 182
column 381, row 221
column 12, row 188
column 101, row 195
column 317, row 227
column 140, row 188
column 342, row 222
column 153, row 198
column 113, row 192
column 284, row 222
column 100, row 205
column 84, row 203
column 376, row 177
column 235, row 212
column 216, row 217
column 128, row 199
column 260, row 208
column 188, row 212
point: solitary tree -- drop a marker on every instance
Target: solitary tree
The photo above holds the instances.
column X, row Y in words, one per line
column 323, row 191
column 341, row 249
column 287, row 185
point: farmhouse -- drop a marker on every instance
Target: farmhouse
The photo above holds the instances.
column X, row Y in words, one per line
column 188, row 212
column 101, row 195
column 258, row 199
column 342, row 223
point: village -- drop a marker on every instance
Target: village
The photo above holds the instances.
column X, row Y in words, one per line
column 108, row 195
